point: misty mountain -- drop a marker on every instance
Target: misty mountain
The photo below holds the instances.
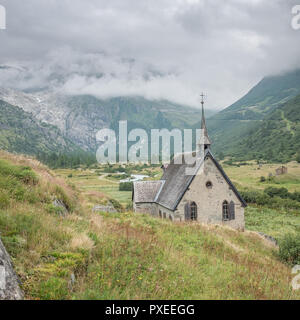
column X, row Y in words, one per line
column 233, row 124
column 80, row 117
column 21, row 132
column 276, row 138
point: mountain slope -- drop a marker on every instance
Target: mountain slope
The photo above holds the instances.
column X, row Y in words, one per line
column 276, row 138
column 20, row 132
column 264, row 97
column 80, row 117
column 235, row 122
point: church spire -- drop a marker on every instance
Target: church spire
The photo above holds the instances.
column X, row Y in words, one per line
column 204, row 140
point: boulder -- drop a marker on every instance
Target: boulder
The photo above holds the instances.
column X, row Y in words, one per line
column 9, row 282
column 59, row 204
column 105, row 208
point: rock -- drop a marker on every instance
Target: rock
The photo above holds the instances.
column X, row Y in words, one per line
column 59, row 204
column 269, row 238
column 9, row 282
column 71, row 281
column 102, row 208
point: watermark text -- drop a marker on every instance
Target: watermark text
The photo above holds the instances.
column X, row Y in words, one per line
column 296, row 17
column 2, row 17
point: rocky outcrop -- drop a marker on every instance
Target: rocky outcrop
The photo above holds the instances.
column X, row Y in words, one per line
column 272, row 240
column 62, row 209
column 102, row 208
column 9, row 283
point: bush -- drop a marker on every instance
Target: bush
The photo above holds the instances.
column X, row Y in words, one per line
column 117, row 205
column 126, row 186
column 4, row 201
column 262, row 179
column 27, row 176
column 23, row 174
column 280, row 192
column 129, row 206
column 252, row 196
column 274, row 201
column 289, row 249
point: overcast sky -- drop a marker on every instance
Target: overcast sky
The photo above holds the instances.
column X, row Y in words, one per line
column 160, row 49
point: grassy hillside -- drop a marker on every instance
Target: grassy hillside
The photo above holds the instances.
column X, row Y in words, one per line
column 237, row 122
column 89, row 255
column 264, row 97
column 276, row 138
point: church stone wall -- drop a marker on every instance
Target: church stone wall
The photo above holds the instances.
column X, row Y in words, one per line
column 210, row 200
column 166, row 213
column 150, row 208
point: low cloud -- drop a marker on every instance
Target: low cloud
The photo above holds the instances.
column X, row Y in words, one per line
column 168, row 49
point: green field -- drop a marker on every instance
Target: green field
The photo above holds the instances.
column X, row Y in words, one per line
column 98, row 185
column 248, row 176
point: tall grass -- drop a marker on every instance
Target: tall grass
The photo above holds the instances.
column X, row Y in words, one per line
column 126, row 255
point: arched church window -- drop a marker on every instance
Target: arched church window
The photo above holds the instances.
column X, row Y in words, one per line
column 225, row 211
column 190, row 211
column 193, row 211
column 160, row 214
column 232, row 210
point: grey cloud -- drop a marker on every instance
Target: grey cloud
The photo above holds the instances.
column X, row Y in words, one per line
column 166, row 49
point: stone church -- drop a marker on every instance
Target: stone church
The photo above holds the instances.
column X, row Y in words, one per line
column 207, row 195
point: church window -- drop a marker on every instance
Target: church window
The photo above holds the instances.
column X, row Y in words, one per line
column 225, row 211
column 208, row 185
column 170, row 217
column 165, row 215
column 160, row 214
column 193, row 211
column 190, row 211
column 232, row 210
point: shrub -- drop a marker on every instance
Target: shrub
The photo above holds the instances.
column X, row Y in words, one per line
column 262, row 179
column 27, row 176
column 129, row 206
column 23, row 174
column 280, row 192
column 289, row 249
column 126, row 186
column 252, row 196
column 117, row 205
column 264, row 199
column 4, row 201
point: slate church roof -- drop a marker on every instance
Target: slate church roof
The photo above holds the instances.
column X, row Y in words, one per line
column 146, row 191
column 171, row 188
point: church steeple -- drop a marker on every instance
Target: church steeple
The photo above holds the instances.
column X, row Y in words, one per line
column 204, row 139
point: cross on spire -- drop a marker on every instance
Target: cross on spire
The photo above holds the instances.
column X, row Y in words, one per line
column 205, row 139
column 202, row 98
